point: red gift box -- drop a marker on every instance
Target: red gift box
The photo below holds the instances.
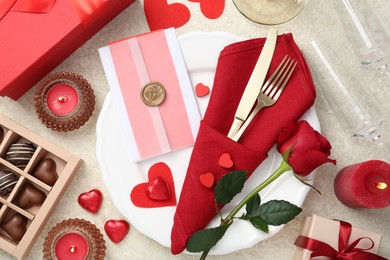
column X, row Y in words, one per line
column 35, row 39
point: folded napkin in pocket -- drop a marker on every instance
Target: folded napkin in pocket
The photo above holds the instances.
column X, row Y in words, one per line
column 235, row 64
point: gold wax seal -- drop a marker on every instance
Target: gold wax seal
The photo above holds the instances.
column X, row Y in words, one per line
column 153, row 94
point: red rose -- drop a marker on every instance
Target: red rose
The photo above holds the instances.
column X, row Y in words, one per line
column 309, row 149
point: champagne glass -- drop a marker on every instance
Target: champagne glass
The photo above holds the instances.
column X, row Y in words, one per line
column 366, row 32
column 358, row 111
column 270, row 12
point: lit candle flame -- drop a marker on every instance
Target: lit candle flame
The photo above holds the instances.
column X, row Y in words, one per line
column 381, row 185
column 62, row 99
column 72, row 249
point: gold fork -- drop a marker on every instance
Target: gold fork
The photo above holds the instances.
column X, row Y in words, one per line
column 271, row 90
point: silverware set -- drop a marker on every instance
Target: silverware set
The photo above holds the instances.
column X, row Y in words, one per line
column 258, row 95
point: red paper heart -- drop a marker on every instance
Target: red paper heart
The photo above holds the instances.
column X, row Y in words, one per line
column 212, row 9
column 201, row 90
column 91, row 200
column 225, row 161
column 116, row 230
column 139, row 193
column 207, row 179
column 161, row 15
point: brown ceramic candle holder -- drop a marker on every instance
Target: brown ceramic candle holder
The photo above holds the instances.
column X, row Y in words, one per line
column 96, row 243
column 81, row 112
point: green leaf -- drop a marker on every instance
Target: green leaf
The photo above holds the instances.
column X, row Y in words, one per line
column 229, row 186
column 205, row 239
column 259, row 223
column 277, row 212
column 253, row 204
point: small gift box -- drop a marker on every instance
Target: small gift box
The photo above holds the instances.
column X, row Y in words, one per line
column 325, row 238
column 36, row 35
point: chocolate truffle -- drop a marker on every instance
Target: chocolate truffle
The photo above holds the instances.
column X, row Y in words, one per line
column 8, row 181
column 16, row 226
column 19, row 154
column 30, row 196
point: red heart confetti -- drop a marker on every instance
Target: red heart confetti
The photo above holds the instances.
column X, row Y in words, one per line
column 158, row 190
column 91, row 200
column 201, row 90
column 142, row 195
column 225, row 161
column 116, row 230
column 212, row 9
column 161, row 15
column 207, row 179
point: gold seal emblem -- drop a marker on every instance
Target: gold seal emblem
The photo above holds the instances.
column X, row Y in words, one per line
column 153, row 94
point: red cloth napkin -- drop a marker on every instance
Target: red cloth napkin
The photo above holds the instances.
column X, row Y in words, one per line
column 235, row 64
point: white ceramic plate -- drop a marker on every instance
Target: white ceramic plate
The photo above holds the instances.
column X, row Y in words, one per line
column 120, row 174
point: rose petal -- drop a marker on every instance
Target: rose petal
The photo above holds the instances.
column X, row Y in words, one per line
column 285, row 134
column 305, row 162
column 325, row 146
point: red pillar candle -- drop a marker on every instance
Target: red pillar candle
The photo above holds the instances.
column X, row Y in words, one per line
column 62, row 99
column 364, row 185
column 71, row 246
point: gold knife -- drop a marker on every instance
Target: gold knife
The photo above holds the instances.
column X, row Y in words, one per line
column 254, row 84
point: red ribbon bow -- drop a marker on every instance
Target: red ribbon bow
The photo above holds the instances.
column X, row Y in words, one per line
column 345, row 251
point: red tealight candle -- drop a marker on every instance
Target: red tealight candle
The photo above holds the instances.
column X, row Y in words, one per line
column 62, row 99
column 71, row 246
column 364, row 185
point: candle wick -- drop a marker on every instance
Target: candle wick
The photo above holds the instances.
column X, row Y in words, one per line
column 380, row 185
column 62, row 99
column 72, row 249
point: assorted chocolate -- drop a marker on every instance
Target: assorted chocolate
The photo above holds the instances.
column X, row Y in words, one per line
column 30, row 196
column 16, row 226
column 8, row 181
column 46, row 171
column 19, row 154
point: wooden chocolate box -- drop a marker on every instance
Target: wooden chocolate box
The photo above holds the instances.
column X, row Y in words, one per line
column 28, row 190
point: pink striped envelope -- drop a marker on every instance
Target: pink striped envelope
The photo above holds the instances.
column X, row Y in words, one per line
column 132, row 63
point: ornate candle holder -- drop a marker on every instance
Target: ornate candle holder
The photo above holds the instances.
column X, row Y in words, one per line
column 96, row 248
column 64, row 101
